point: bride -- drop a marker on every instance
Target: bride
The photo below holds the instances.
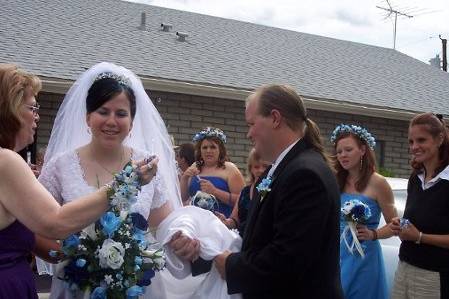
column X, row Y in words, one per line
column 105, row 120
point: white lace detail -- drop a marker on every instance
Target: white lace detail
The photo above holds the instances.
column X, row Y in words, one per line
column 63, row 177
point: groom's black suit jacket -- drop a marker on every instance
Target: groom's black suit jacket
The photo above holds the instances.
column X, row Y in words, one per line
column 291, row 243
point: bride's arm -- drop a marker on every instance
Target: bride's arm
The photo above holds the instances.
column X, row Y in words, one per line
column 159, row 214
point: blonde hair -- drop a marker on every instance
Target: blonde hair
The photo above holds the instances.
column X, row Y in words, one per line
column 13, row 85
column 253, row 158
column 290, row 105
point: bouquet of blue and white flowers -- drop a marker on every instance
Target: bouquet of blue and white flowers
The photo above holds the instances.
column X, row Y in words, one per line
column 111, row 258
column 355, row 212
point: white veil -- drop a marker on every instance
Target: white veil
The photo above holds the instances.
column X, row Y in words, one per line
column 148, row 133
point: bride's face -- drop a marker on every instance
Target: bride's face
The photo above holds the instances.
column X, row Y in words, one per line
column 111, row 122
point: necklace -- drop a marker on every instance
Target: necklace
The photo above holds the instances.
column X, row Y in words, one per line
column 104, row 168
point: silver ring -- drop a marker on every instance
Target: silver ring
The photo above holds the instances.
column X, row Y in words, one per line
column 150, row 166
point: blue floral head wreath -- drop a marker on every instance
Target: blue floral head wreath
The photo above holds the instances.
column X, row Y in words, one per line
column 360, row 132
column 209, row 132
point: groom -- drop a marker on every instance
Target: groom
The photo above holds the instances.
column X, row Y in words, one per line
column 291, row 244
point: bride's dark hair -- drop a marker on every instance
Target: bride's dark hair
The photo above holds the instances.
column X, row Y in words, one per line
column 104, row 90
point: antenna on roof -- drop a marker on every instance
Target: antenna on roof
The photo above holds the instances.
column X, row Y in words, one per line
column 392, row 11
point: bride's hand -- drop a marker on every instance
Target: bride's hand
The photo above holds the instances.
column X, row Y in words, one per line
column 184, row 247
column 147, row 170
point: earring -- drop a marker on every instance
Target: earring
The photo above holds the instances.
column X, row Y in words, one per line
column 361, row 162
column 88, row 131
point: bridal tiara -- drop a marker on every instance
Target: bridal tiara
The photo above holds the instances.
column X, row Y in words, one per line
column 119, row 78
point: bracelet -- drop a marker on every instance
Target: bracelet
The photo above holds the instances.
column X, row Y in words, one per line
column 235, row 222
column 374, row 234
column 419, row 238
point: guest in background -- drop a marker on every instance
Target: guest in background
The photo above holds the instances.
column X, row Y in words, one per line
column 255, row 168
column 185, row 156
column 362, row 277
column 423, row 269
column 212, row 172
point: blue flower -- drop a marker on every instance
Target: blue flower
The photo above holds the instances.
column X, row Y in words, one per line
column 139, row 236
column 138, row 260
column 98, row 293
column 356, row 211
column 210, row 132
column 80, row 262
column 53, row 253
column 146, row 279
column 358, row 131
column 75, row 274
column 71, row 241
column 134, row 291
column 70, row 244
column 139, row 221
column 264, row 187
column 110, row 223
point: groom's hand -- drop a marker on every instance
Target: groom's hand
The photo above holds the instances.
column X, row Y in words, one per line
column 184, row 247
column 220, row 263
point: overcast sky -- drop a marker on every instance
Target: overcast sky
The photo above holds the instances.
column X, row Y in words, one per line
column 353, row 20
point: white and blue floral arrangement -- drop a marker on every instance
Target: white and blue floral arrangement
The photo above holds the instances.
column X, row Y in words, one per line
column 360, row 132
column 354, row 212
column 209, row 132
column 111, row 258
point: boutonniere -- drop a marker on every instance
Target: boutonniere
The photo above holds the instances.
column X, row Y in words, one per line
column 264, row 187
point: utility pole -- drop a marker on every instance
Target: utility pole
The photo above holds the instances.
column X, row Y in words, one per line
column 444, row 44
column 391, row 11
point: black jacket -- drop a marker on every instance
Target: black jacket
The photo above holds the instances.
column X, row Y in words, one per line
column 291, row 244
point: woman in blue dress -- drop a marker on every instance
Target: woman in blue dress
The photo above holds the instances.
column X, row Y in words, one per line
column 211, row 172
column 362, row 276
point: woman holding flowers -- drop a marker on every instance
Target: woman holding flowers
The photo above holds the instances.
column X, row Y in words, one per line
column 365, row 194
column 423, row 269
column 25, row 206
column 212, row 173
column 121, row 124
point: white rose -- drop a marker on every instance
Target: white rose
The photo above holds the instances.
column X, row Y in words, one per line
column 111, row 254
column 347, row 207
column 154, row 256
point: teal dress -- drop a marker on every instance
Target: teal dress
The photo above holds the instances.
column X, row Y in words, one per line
column 362, row 278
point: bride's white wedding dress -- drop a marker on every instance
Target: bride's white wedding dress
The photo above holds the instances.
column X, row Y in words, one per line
column 63, row 177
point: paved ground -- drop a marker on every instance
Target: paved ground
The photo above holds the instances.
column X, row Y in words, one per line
column 43, row 283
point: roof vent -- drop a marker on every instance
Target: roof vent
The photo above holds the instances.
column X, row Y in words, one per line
column 143, row 21
column 181, row 36
column 166, row 27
